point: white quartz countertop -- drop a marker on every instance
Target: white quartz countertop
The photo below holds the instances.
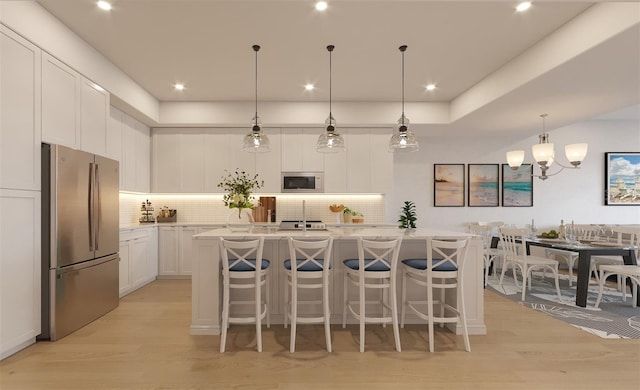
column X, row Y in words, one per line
column 273, row 225
column 342, row 232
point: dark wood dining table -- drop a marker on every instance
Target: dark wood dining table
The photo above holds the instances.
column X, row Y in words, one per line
column 585, row 251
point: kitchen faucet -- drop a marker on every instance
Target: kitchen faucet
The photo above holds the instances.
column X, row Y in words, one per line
column 304, row 217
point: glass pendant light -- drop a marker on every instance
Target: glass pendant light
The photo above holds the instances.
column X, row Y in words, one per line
column 256, row 141
column 330, row 141
column 403, row 139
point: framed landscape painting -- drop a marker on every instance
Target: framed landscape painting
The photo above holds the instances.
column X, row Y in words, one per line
column 622, row 179
column 517, row 186
column 448, row 185
column 483, row 180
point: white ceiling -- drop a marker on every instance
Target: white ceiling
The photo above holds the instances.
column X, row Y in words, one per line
column 206, row 44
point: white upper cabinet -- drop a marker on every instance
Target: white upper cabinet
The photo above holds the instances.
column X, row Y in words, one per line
column 381, row 168
column 60, row 98
column 367, row 165
column 143, row 157
column 193, row 151
column 167, row 154
column 359, row 160
column 239, row 159
column 194, row 160
column 216, row 157
column 179, row 160
column 335, row 168
column 299, row 150
column 20, row 135
column 94, row 113
column 135, row 162
column 268, row 164
column 114, row 135
column 74, row 109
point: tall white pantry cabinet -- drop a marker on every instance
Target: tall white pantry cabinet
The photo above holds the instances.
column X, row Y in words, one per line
column 20, row 137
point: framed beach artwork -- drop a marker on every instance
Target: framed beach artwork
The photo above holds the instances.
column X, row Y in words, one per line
column 448, row 185
column 622, row 179
column 517, row 186
column 483, row 180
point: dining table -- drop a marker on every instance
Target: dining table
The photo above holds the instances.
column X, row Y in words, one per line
column 585, row 250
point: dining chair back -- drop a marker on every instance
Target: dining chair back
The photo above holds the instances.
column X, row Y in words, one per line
column 515, row 255
column 443, row 269
column 308, row 268
column 489, row 255
column 581, row 232
column 614, row 265
column 244, row 268
column 374, row 269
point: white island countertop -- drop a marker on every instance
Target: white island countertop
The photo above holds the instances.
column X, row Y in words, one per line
column 341, row 232
column 205, row 279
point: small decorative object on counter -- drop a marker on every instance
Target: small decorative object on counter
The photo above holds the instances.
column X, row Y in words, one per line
column 352, row 216
column 337, row 209
column 147, row 212
column 167, row 215
column 239, row 187
column 408, row 217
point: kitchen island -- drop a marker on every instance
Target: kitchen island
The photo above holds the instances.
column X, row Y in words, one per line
column 206, row 276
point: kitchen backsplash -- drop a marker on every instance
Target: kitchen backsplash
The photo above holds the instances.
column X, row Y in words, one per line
column 210, row 209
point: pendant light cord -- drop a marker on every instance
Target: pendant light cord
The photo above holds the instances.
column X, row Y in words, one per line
column 330, row 49
column 256, row 48
column 402, row 49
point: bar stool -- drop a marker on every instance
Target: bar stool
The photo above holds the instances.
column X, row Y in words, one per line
column 375, row 271
column 242, row 262
column 311, row 271
column 444, row 271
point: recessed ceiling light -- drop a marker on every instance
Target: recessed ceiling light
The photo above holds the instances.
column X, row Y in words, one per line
column 525, row 5
column 179, row 87
column 104, row 5
column 321, row 5
column 431, row 87
column 309, row 87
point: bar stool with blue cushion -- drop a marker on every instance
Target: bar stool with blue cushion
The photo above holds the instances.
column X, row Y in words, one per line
column 443, row 271
column 311, row 271
column 244, row 268
column 375, row 268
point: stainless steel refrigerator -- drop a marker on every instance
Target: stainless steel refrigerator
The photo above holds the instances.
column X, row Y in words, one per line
column 80, row 217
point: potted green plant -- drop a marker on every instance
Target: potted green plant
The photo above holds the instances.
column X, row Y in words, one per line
column 408, row 217
column 352, row 216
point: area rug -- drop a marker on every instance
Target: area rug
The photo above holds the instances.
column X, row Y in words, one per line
column 613, row 319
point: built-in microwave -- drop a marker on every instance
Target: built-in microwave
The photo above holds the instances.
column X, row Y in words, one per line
column 302, row 182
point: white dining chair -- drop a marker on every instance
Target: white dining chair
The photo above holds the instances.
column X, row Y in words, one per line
column 244, row 268
column 489, row 255
column 582, row 232
column 623, row 235
column 442, row 269
column 374, row 269
column 514, row 250
column 308, row 268
column 625, row 271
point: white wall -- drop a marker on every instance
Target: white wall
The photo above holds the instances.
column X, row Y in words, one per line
column 572, row 195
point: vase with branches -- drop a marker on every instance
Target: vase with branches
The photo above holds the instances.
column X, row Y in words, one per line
column 238, row 187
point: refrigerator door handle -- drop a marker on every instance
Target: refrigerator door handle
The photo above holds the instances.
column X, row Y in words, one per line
column 98, row 208
column 91, row 206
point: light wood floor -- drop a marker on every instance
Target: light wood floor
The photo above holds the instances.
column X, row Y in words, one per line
column 145, row 344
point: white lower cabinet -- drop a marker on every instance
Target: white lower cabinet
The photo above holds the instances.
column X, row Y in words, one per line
column 175, row 253
column 138, row 258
